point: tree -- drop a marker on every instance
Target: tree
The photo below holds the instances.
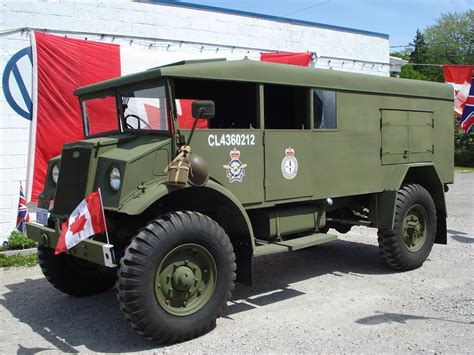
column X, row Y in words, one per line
column 419, row 54
column 450, row 41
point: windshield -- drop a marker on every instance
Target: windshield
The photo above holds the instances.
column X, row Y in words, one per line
column 143, row 109
column 100, row 115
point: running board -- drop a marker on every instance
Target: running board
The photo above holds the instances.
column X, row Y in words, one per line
column 293, row 244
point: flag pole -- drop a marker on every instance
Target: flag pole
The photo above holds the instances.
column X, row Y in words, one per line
column 103, row 215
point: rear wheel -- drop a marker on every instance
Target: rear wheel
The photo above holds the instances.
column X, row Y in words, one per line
column 407, row 246
column 74, row 276
column 176, row 277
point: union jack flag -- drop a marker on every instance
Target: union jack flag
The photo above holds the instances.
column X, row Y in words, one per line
column 467, row 119
column 23, row 215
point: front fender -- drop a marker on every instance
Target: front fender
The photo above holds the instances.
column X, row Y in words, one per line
column 141, row 201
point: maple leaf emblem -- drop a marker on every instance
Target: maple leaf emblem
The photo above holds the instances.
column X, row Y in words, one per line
column 78, row 224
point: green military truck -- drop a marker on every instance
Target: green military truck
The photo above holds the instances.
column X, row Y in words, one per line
column 291, row 153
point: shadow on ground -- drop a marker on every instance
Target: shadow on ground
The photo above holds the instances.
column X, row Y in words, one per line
column 97, row 323
column 389, row 318
column 461, row 237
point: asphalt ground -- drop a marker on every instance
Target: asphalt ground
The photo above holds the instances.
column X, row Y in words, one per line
column 337, row 297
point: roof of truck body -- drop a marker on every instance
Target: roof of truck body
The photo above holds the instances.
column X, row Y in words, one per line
column 273, row 73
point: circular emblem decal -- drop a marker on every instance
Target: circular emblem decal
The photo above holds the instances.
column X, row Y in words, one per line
column 289, row 164
column 76, row 154
column 235, row 170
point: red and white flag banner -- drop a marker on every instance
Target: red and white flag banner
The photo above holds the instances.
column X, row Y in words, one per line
column 86, row 220
column 301, row 59
column 459, row 76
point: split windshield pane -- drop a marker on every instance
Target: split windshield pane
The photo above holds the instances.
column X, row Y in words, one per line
column 100, row 115
column 145, row 109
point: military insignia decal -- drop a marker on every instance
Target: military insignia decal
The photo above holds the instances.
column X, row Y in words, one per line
column 235, row 169
column 289, row 164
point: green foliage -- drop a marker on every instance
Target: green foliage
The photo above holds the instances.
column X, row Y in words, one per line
column 18, row 260
column 18, row 240
column 408, row 72
column 463, row 147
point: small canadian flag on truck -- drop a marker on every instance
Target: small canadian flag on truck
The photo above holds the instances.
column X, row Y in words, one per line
column 86, row 220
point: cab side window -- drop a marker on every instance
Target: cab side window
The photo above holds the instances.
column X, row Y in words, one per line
column 236, row 103
column 286, row 107
column 324, row 102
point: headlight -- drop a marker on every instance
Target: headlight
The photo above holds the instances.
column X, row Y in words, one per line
column 115, row 178
column 55, row 173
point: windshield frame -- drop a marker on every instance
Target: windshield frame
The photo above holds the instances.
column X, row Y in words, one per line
column 117, row 94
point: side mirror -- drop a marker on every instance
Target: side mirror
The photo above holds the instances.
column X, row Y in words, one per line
column 203, row 109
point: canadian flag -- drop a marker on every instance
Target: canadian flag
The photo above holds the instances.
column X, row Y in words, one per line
column 86, row 220
column 459, row 76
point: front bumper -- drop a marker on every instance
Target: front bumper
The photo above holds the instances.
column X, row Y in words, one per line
column 90, row 250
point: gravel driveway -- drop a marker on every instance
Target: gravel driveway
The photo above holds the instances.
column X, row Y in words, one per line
column 338, row 297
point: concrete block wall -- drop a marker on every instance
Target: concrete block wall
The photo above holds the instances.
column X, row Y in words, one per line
column 173, row 27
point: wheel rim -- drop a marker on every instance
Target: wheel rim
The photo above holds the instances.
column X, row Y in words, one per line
column 415, row 231
column 185, row 279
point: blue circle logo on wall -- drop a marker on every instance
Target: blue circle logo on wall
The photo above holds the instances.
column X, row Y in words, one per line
column 16, row 82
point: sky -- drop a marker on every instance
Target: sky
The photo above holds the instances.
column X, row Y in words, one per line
column 398, row 18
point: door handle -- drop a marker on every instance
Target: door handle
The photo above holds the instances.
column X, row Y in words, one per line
column 405, row 153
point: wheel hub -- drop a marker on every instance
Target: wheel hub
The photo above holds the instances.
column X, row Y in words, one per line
column 185, row 279
column 415, row 228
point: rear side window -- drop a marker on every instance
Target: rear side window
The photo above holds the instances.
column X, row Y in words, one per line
column 324, row 109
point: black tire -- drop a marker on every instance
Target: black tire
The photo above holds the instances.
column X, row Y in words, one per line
column 74, row 276
column 139, row 292
column 400, row 249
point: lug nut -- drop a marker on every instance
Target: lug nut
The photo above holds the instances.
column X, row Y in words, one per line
column 167, row 302
column 185, row 304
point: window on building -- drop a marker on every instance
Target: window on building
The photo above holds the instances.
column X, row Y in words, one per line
column 324, row 102
column 286, row 107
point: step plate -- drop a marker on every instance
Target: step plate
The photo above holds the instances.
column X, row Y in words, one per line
column 294, row 244
column 308, row 241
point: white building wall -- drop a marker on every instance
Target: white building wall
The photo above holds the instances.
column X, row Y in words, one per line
column 212, row 33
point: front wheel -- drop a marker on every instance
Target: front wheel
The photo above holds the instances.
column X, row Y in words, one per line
column 176, row 277
column 407, row 246
column 74, row 276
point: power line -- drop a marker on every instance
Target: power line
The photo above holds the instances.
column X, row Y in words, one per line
column 307, row 8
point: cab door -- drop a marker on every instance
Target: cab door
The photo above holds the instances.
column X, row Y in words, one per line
column 288, row 164
column 287, row 143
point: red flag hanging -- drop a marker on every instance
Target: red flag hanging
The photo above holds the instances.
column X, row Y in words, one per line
column 86, row 220
column 459, row 76
column 301, row 59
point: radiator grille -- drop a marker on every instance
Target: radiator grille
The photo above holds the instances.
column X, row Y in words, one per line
column 72, row 182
